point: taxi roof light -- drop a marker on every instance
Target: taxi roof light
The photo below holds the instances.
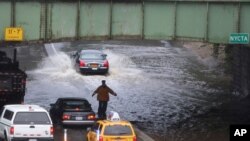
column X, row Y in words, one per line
column 113, row 116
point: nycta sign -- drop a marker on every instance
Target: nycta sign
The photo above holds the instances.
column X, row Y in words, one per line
column 239, row 38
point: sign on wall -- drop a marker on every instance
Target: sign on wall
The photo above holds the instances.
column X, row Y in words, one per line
column 13, row 34
column 239, row 38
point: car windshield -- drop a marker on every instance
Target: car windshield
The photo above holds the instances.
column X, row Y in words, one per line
column 74, row 104
column 31, row 118
column 121, row 130
column 92, row 56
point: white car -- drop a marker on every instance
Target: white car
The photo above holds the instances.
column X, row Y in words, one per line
column 25, row 122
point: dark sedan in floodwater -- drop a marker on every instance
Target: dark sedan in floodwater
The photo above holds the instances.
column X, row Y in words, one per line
column 72, row 111
column 91, row 61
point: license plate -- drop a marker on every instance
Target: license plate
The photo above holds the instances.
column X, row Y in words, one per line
column 32, row 139
column 78, row 118
column 94, row 66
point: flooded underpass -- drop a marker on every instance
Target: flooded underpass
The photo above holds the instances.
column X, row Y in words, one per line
column 165, row 90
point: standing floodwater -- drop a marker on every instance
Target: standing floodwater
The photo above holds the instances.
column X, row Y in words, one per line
column 158, row 86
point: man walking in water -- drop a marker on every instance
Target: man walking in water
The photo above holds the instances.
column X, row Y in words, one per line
column 103, row 98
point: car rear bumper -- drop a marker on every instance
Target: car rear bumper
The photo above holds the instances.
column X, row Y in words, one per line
column 31, row 139
column 73, row 122
column 94, row 70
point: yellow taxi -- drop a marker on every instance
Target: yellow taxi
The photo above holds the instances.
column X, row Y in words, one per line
column 111, row 129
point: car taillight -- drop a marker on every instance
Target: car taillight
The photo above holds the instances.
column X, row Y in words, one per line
column 82, row 63
column 66, row 117
column 134, row 139
column 100, row 138
column 51, row 130
column 11, row 130
column 91, row 116
column 106, row 63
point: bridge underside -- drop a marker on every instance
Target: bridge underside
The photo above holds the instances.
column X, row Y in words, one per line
column 209, row 21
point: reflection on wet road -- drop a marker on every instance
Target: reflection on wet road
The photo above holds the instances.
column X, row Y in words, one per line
column 70, row 134
column 157, row 85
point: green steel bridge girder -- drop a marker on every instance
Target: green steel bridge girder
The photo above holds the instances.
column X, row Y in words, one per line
column 210, row 21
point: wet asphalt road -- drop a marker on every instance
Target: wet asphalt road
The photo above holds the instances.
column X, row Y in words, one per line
column 73, row 134
column 160, row 87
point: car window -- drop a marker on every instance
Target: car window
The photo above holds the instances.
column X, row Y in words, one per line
column 73, row 104
column 31, row 118
column 94, row 56
column 118, row 130
column 8, row 114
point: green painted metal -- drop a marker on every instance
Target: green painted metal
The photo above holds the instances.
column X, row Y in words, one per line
column 5, row 19
column 207, row 20
column 245, row 18
column 94, row 19
column 143, row 11
column 13, row 13
column 110, row 19
column 64, row 17
column 78, row 20
column 191, row 20
column 222, row 22
column 159, row 20
column 126, row 19
column 29, row 21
